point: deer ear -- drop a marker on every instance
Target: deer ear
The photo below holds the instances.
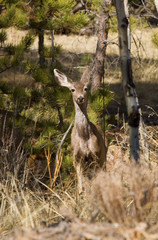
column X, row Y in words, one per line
column 62, row 79
column 86, row 76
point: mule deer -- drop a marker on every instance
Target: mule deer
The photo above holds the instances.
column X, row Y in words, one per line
column 88, row 146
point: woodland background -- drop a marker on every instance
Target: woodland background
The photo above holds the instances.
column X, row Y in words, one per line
column 36, row 37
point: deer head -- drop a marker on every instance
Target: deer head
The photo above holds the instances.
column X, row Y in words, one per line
column 79, row 89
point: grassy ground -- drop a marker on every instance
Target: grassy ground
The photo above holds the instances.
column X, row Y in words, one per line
column 120, row 203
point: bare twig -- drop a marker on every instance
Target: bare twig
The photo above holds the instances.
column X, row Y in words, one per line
column 59, row 152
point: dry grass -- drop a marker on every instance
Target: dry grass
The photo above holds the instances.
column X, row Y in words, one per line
column 120, row 203
column 23, row 206
column 127, row 196
column 141, row 41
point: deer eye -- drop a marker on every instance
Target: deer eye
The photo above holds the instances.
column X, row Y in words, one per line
column 85, row 89
column 72, row 90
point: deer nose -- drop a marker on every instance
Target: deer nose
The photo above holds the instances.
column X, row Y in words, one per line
column 80, row 99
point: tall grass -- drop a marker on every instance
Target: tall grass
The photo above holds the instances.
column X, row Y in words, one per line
column 126, row 195
column 24, row 199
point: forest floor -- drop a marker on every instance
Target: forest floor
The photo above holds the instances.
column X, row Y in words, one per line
column 120, row 203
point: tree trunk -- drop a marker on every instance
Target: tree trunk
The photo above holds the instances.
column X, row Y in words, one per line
column 41, row 47
column 98, row 65
column 127, row 78
column 2, row 8
column 79, row 6
column 156, row 4
column 53, row 49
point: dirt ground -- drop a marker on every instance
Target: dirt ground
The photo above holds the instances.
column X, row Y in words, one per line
column 83, row 230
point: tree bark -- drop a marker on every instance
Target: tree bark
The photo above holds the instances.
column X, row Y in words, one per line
column 80, row 5
column 127, row 77
column 41, row 47
column 53, row 48
column 156, row 4
column 98, row 64
column 2, row 8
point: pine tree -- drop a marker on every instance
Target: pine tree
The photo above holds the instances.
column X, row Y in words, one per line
column 52, row 16
column 10, row 16
column 41, row 15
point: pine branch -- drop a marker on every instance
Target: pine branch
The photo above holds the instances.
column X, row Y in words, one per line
column 8, row 62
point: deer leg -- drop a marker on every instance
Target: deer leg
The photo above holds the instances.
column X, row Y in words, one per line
column 79, row 177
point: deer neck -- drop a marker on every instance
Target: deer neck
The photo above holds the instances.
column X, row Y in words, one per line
column 81, row 121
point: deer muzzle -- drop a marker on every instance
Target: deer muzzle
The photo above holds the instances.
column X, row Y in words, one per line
column 80, row 100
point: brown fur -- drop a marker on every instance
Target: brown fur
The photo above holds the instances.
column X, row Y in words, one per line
column 88, row 146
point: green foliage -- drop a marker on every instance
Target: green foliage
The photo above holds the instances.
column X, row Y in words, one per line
column 5, row 98
column 101, row 99
column 98, row 102
column 155, row 38
column 20, row 94
column 56, row 15
column 135, row 22
column 6, row 19
column 3, row 36
column 72, row 22
column 21, row 18
column 66, row 5
column 14, row 15
column 4, row 64
column 28, row 40
column 41, row 15
column 29, row 66
column 96, row 5
column 41, row 109
column 67, row 166
column 4, row 87
column 19, row 50
column 48, row 51
column 45, row 120
column 16, row 52
column 10, row 49
column 86, row 59
column 46, row 139
column 138, row 22
column 36, row 95
column 41, row 75
column 113, row 24
column 64, row 101
column 9, row 2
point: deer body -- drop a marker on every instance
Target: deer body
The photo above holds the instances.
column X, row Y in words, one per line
column 87, row 143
